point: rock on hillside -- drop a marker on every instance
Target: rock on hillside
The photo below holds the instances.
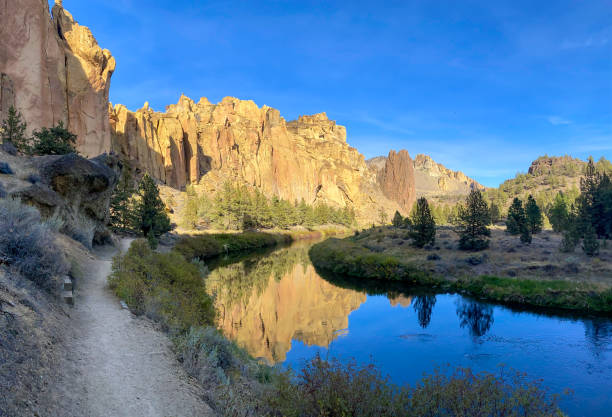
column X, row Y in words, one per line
column 235, row 140
column 435, row 179
column 75, row 189
column 52, row 69
column 431, row 179
column 396, row 179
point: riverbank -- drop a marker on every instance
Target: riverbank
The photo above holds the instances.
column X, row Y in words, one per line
column 509, row 272
column 205, row 246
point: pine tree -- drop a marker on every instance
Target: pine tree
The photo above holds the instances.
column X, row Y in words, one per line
column 150, row 211
column 516, row 217
column 472, row 221
column 189, row 216
column 54, row 141
column 558, row 214
column 533, row 216
column 122, row 217
column 590, row 245
column 494, row 213
column 526, row 235
column 13, row 130
column 398, row 220
column 423, row 230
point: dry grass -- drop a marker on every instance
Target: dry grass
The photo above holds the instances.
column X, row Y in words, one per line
column 506, row 256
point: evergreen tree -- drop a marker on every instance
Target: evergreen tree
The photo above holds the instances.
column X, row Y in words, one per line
column 533, row 216
column 150, row 211
column 590, row 245
column 472, row 221
column 13, row 130
column 54, row 141
column 558, row 214
column 526, row 235
column 423, row 230
column 398, row 220
column 122, row 217
column 516, row 217
column 189, row 216
column 382, row 216
column 494, row 213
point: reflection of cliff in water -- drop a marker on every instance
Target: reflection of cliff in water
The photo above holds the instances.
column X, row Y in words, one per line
column 266, row 302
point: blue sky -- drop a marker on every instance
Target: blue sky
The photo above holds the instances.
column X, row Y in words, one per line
column 482, row 86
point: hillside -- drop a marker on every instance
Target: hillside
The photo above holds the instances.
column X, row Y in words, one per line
column 546, row 176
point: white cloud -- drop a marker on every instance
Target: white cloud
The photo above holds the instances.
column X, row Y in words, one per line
column 558, row 120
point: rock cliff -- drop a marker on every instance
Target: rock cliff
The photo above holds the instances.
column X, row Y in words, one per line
column 53, row 70
column 396, row 179
column 235, row 140
column 431, row 179
column 436, row 179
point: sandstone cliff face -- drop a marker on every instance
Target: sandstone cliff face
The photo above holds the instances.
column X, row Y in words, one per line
column 209, row 144
column 53, row 70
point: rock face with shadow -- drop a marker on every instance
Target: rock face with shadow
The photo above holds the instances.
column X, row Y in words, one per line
column 71, row 188
column 235, row 140
column 52, row 69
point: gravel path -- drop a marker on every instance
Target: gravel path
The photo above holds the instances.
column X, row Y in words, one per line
column 121, row 365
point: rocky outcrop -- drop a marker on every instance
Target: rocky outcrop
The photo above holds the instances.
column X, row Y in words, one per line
column 432, row 179
column 235, row 140
column 53, row 70
column 557, row 165
column 73, row 189
column 396, row 178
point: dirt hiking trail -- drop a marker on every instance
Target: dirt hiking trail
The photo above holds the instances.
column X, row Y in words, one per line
column 121, row 365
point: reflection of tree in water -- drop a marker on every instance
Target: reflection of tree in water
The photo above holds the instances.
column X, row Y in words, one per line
column 598, row 334
column 423, row 306
column 477, row 317
column 236, row 283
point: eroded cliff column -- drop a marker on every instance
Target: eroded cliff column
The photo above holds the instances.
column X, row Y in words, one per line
column 53, row 70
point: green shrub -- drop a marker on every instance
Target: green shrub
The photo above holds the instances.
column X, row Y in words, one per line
column 329, row 388
column 53, row 141
column 164, row 286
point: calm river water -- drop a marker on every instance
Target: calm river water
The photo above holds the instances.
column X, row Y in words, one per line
column 276, row 306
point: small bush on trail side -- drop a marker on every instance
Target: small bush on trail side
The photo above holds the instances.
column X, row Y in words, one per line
column 164, row 286
column 329, row 388
column 28, row 245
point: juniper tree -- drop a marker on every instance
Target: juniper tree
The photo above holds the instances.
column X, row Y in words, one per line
column 494, row 213
column 56, row 140
column 150, row 211
column 398, row 220
column 533, row 216
column 558, row 214
column 516, row 217
column 590, row 245
column 13, row 130
column 423, row 228
column 122, row 216
column 472, row 220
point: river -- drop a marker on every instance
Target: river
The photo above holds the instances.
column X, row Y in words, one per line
column 276, row 306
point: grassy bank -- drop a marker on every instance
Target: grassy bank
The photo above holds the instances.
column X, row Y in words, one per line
column 359, row 259
column 208, row 246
